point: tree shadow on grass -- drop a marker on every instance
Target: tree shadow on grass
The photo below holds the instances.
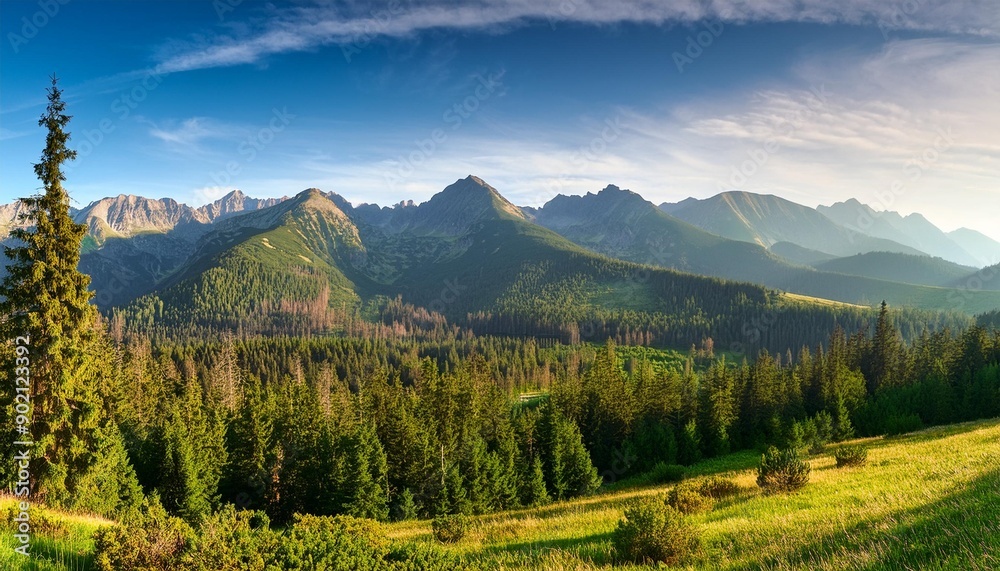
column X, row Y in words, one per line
column 958, row 531
column 933, row 433
column 590, row 547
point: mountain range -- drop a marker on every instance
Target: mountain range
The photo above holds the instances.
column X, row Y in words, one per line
column 471, row 255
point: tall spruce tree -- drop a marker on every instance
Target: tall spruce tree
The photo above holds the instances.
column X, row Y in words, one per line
column 44, row 298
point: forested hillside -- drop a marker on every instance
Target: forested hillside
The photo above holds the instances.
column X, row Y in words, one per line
column 623, row 225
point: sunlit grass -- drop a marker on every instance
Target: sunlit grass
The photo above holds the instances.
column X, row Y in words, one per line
column 927, row 500
column 60, row 541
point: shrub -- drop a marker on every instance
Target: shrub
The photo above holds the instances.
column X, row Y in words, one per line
column 782, row 471
column 424, row 557
column 450, row 528
column 655, row 531
column 664, row 473
column 236, row 540
column 718, row 487
column 149, row 540
column 339, row 542
column 851, row 456
column 42, row 522
column 233, row 540
column 687, row 499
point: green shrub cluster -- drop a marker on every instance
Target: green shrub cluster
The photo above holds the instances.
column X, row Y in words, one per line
column 653, row 531
column 851, row 456
column 718, row 487
column 232, row 540
column 687, row 498
column 782, row 470
column 450, row 528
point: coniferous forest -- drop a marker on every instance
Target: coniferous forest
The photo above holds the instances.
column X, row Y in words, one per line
column 273, row 434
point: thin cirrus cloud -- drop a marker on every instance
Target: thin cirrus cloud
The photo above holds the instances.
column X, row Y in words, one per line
column 190, row 135
column 341, row 23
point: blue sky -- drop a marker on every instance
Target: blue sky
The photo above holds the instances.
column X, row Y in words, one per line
column 894, row 103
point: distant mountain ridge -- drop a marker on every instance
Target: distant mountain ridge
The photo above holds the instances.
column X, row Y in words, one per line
column 621, row 224
column 466, row 254
column 767, row 220
column 912, row 230
column 136, row 246
column 133, row 242
column 985, row 249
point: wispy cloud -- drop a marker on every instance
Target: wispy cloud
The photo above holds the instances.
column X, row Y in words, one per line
column 188, row 136
column 353, row 23
column 6, row 134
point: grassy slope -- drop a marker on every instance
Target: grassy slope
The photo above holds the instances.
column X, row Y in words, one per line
column 927, row 500
column 60, row 541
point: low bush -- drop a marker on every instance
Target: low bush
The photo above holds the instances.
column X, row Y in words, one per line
column 151, row 539
column 718, row 487
column 425, row 557
column 233, row 540
column 42, row 522
column 688, row 499
column 851, row 456
column 450, row 528
column 782, row 471
column 653, row 531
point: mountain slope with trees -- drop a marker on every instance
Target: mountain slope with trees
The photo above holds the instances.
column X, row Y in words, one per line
column 767, row 219
column 622, row 224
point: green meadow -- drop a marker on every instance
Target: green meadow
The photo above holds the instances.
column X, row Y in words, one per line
column 925, row 500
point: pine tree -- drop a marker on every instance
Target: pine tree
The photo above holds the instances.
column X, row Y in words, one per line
column 44, row 299
column 249, row 443
column 535, row 492
column 689, row 444
column 182, row 490
column 842, row 427
column 885, row 353
column 579, row 475
column 366, row 476
column 405, row 508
